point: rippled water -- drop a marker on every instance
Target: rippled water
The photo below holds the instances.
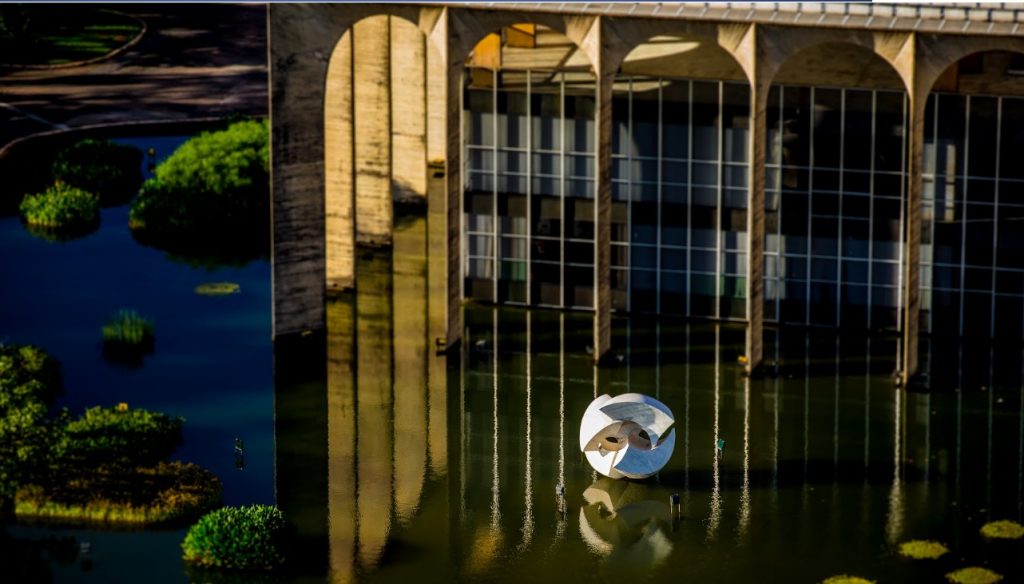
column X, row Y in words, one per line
column 398, row 464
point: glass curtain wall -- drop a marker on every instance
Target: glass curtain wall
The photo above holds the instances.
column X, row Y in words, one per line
column 835, row 169
column 679, row 191
column 972, row 240
column 529, row 187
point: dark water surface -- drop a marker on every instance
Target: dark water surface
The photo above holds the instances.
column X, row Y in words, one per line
column 400, row 465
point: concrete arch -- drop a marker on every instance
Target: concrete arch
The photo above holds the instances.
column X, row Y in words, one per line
column 938, row 53
column 624, row 37
column 780, row 45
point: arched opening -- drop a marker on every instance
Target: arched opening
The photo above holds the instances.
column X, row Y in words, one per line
column 680, row 167
column 383, row 122
column 834, row 190
column 972, row 241
column 529, row 142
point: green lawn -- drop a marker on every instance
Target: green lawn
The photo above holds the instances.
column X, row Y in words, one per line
column 51, row 35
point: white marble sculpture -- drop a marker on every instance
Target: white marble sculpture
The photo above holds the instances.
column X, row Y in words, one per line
column 625, row 436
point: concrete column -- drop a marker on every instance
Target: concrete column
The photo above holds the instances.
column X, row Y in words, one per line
column 755, row 230
column 339, row 195
column 435, row 106
column 297, row 172
column 453, row 185
column 912, row 285
column 372, row 72
column 755, row 218
column 603, row 220
column 408, row 113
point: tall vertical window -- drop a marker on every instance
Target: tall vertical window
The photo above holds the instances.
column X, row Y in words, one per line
column 972, row 252
column 679, row 196
column 835, row 174
column 529, row 191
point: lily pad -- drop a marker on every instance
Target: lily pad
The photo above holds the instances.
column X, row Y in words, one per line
column 845, row 579
column 1003, row 530
column 974, row 575
column 919, row 549
column 218, row 289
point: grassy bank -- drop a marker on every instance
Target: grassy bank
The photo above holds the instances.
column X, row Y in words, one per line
column 41, row 35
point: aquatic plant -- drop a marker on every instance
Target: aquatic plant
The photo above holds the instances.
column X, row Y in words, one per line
column 974, row 575
column 126, row 437
column 162, row 493
column 217, row 289
column 919, row 549
column 238, row 538
column 1003, row 529
column 61, row 207
column 845, row 579
column 112, row 171
column 215, row 185
column 29, row 382
column 127, row 337
column 129, row 328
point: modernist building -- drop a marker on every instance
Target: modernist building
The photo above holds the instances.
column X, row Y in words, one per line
column 850, row 165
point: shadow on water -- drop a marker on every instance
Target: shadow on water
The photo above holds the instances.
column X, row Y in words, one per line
column 445, row 468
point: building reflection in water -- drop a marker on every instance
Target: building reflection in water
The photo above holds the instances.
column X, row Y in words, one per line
column 397, row 463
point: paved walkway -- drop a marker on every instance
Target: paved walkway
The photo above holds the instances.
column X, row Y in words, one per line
column 195, row 61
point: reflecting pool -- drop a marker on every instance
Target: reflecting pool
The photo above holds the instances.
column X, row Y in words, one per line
column 399, row 464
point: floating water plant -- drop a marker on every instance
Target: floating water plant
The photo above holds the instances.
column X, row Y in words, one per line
column 919, row 549
column 127, row 338
column 1003, row 529
column 974, row 575
column 238, row 538
column 217, row 289
column 61, row 207
column 845, row 579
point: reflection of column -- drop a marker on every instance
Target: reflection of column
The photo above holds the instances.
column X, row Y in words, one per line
column 528, row 478
column 894, row 519
column 715, row 515
column 745, row 492
column 409, row 327
column 561, row 521
column 373, row 130
column 1020, row 460
column 374, row 409
column 495, row 475
column 341, row 439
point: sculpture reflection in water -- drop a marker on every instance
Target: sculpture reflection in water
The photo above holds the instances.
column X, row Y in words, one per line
column 626, row 529
column 625, row 436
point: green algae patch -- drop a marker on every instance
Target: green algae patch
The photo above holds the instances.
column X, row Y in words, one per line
column 919, row 549
column 845, row 579
column 218, row 289
column 1004, row 529
column 973, row 575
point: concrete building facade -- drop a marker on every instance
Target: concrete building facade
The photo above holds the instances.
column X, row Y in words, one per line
column 848, row 165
